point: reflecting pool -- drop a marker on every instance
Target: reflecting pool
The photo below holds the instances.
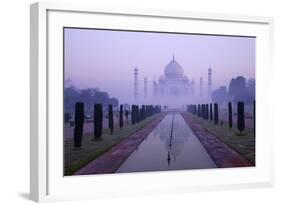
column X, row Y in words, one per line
column 170, row 146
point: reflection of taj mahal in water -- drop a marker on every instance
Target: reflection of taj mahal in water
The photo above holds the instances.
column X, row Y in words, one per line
column 174, row 83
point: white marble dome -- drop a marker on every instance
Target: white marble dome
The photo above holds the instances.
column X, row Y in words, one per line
column 173, row 69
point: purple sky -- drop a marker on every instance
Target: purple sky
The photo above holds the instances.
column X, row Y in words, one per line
column 106, row 59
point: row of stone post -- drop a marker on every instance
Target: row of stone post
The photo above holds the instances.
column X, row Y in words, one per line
column 205, row 111
column 137, row 115
column 141, row 113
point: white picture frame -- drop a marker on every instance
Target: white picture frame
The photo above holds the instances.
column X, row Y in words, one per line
column 47, row 182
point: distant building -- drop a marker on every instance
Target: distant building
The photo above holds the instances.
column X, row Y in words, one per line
column 251, row 86
column 209, row 81
column 145, row 87
column 173, row 82
column 136, row 84
column 201, row 87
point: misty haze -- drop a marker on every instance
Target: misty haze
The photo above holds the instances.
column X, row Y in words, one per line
column 148, row 101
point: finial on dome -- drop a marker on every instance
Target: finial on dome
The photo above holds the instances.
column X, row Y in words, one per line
column 173, row 56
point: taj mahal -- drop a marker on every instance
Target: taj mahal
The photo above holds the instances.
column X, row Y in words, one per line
column 173, row 83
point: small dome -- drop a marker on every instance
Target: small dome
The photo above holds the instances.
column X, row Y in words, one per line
column 173, row 69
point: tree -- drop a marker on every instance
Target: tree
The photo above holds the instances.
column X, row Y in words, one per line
column 230, row 114
column 251, row 87
column 101, row 98
column 241, row 91
column 79, row 121
column 199, row 110
column 114, row 102
column 121, row 116
column 220, row 95
column 71, row 96
column 87, row 96
column 98, row 121
column 232, row 88
column 110, row 119
column 240, row 117
column 216, row 113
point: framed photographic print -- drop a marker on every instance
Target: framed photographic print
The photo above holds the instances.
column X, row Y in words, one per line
column 127, row 102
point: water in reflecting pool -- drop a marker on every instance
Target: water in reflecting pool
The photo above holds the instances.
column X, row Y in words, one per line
column 170, row 146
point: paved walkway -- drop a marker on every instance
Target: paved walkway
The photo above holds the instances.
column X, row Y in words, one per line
column 110, row 161
column 223, row 155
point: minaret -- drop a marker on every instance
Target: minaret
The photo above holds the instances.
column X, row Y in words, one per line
column 136, row 91
column 154, row 88
column 145, row 87
column 209, row 81
column 201, row 87
column 192, row 87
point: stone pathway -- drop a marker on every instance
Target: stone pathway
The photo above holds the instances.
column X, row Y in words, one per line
column 223, row 155
column 110, row 161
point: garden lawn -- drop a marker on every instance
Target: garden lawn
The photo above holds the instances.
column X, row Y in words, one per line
column 242, row 143
column 74, row 159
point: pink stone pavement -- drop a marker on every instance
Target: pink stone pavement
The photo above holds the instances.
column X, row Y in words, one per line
column 110, row 161
column 223, row 155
